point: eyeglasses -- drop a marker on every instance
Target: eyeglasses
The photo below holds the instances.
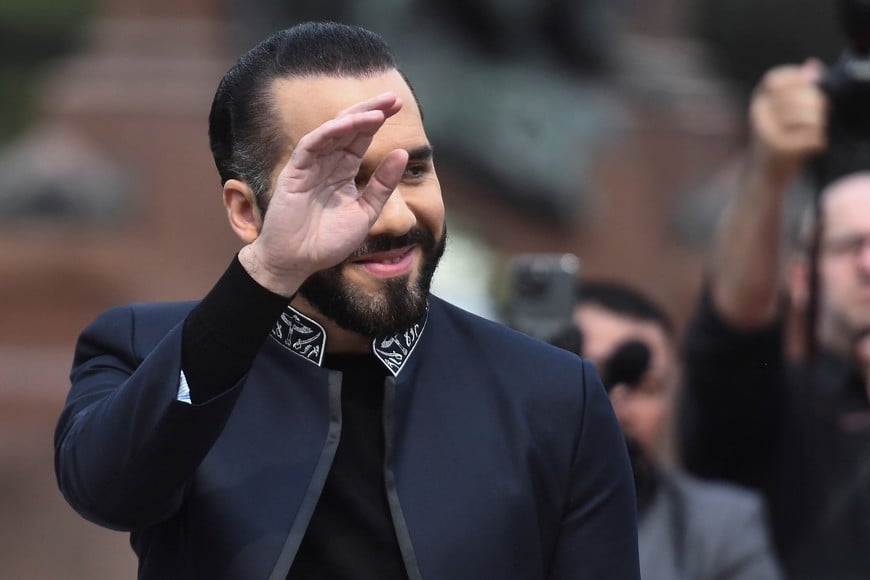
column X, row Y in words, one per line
column 848, row 245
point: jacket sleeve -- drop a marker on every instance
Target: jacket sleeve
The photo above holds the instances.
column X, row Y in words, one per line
column 734, row 399
column 598, row 535
column 125, row 447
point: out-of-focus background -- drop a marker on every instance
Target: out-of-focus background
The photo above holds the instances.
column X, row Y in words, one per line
column 606, row 128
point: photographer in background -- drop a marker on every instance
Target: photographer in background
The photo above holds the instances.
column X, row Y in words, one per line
column 688, row 529
column 798, row 430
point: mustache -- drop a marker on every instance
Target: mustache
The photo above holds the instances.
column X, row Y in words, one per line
column 386, row 242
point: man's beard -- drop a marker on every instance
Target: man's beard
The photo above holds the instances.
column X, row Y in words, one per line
column 646, row 475
column 397, row 306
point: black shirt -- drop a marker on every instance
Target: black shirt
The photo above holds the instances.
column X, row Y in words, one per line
column 351, row 533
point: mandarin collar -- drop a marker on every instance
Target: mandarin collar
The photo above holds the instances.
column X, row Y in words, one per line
column 306, row 338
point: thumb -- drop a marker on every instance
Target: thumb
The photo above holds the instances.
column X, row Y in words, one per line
column 384, row 180
column 812, row 70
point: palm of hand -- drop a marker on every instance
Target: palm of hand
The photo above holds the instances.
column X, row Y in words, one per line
column 318, row 210
column 317, row 216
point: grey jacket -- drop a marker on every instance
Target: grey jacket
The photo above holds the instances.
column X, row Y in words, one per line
column 700, row 530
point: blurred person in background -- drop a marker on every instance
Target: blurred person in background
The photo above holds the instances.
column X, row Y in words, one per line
column 319, row 414
column 689, row 529
column 796, row 427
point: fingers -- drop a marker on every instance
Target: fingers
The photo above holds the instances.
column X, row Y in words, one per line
column 388, row 102
column 350, row 131
column 794, row 93
column 355, row 126
column 788, row 114
column 812, row 69
column 384, row 181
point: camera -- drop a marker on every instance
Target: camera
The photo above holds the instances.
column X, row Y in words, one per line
column 542, row 292
column 847, row 85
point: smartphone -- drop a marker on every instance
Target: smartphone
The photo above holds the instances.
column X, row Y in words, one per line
column 541, row 293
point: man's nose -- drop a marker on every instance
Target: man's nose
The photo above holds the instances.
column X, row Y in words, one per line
column 396, row 218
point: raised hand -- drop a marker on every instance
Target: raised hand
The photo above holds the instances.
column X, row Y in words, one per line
column 788, row 117
column 788, row 124
column 317, row 216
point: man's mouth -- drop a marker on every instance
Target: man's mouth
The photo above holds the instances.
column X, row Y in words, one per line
column 387, row 264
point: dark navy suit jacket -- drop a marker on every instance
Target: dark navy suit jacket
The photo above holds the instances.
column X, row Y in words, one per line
column 504, row 459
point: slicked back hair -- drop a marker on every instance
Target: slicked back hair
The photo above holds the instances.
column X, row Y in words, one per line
column 246, row 137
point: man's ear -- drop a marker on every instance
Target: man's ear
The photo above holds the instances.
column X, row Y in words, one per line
column 242, row 210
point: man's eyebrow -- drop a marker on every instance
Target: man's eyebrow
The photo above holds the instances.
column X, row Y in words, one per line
column 422, row 153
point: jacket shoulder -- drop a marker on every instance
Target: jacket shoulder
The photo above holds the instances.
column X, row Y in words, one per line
column 145, row 323
column 498, row 340
column 714, row 496
column 166, row 314
column 521, row 363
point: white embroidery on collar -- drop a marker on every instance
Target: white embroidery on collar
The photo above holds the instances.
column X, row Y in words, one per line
column 394, row 351
column 303, row 336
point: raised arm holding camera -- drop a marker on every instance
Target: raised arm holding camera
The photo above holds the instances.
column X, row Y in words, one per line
column 797, row 428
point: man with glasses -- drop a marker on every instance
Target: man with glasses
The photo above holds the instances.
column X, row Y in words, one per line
column 792, row 422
